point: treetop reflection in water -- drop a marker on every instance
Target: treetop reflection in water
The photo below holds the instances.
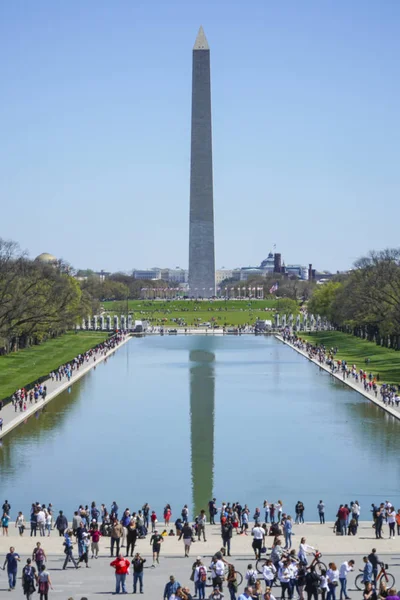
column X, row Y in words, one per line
column 182, row 418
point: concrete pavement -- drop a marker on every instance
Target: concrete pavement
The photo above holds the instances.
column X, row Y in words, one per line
column 98, row 580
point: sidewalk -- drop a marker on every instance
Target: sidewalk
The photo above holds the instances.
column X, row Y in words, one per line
column 350, row 382
column 318, row 536
column 12, row 418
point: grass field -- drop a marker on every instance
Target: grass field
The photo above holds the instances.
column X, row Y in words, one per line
column 354, row 350
column 189, row 312
column 20, row 368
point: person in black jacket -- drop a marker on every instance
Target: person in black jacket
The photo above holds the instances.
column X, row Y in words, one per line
column 137, row 564
column 131, row 537
column 312, row 584
column 187, row 535
column 61, row 523
column 226, row 534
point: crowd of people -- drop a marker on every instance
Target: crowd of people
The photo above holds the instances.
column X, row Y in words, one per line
column 284, row 566
column 389, row 394
column 24, row 397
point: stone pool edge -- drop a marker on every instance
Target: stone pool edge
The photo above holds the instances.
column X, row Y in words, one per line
column 346, row 382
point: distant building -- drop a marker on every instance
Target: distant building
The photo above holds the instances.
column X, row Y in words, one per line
column 102, row 275
column 46, row 258
column 222, row 274
column 175, row 275
column 150, row 274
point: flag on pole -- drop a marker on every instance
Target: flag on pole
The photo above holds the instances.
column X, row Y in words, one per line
column 274, row 288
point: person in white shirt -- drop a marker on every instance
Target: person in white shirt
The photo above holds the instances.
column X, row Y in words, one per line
column 345, row 568
column 49, row 519
column 250, row 576
column 217, row 568
column 267, row 509
column 332, row 575
column 304, row 549
column 20, row 523
column 284, row 577
column 391, row 519
column 41, row 521
column 258, row 534
column 269, row 573
column 323, row 584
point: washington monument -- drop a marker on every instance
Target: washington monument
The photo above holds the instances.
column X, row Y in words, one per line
column 201, row 234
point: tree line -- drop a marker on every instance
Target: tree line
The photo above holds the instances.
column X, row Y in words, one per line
column 37, row 300
column 366, row 301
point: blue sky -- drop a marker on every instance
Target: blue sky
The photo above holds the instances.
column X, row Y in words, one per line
column 95, row 129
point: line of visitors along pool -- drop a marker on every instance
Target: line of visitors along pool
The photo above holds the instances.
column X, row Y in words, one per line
column 181, row 419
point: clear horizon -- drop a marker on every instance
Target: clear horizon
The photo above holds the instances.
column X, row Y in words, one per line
column 95, row 126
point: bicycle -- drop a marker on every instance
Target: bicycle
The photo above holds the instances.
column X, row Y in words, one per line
column 239, row 576
column 382, row 575
column 318, row 565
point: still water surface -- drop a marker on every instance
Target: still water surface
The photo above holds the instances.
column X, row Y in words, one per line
column 179, row 419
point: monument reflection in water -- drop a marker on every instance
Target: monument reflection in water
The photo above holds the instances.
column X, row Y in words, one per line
column 202, row 397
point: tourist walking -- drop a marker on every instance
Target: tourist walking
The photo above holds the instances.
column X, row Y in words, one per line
column 367, row 572
column 167, row 515
column 332, row 575
column 68, row 550
column 44, row 583
column 5, row 520
column 200, row 578
column 201, row 525
column 137, row 564
column 287, row 529
column 171, row 587
column 212, row 510
column 61, row 523
column 12, row 559
column 116, row 535
column 20, row 523
column 304, row 549
column 375, row 561
column 131, row 537
column 155, row 541
column 95, row 540
column 321, row 512
column 29, row 578
column 232, row 582
column 299, row 510
column 312, row 584
column 345, row 568
column 269, row 573
column 121, row 566
column 226, row 533
column 187, row 534
column 391, row 520
column 39, row 556
column 258, row 534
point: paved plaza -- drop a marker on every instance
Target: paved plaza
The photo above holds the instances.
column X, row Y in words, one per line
column 99, row 578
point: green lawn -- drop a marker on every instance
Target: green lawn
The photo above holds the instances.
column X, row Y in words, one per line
column 354, row 350
column 20, row 368
column 189, row 312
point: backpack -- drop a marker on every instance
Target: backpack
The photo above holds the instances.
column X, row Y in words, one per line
column 202, row 574
column 252, row 578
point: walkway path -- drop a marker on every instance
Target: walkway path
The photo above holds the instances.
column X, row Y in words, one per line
column 318, row 536
column 12, row 418
column 351, row 383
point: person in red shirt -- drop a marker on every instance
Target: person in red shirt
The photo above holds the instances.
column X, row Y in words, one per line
column 95, row 536
column 121, row 566
column 153, row 519
column 343, row 513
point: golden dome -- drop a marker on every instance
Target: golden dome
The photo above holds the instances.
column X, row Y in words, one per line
column 45, row 257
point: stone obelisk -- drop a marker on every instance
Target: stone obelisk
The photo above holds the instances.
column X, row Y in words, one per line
column 201, row 234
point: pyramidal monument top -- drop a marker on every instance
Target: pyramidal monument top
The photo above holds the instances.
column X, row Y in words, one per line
column 201, row 41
